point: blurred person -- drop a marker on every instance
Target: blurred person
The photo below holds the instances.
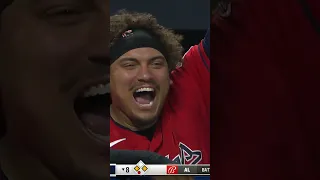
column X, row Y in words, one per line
column 156, row 105
column 266, row 93
column 54, row 65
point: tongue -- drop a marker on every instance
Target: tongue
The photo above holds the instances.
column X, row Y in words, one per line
column 94, row 113
column 96, row 122
column 143, row 98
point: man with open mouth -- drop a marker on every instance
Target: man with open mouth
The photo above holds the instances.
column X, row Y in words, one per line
column 157, row 106
column 53, row 84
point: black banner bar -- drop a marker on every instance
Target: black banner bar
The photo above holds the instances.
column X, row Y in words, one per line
column 204, row 170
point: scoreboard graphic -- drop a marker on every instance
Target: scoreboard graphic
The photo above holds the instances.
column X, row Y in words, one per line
column 142, row 169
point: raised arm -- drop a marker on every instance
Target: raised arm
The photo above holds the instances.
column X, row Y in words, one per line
column 206, row 44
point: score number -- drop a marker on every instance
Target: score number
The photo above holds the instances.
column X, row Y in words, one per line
column 125, row 170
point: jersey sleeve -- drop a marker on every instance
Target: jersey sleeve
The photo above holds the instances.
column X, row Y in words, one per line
column 206, row 44
column 200, row 52
column 195, row 68
column 196, row 62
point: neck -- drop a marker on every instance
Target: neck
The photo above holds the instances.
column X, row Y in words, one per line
column 18, row 164
column 118, row 116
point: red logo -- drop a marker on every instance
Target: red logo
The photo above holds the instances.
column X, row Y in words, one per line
column 172, row 169
column 127, row 33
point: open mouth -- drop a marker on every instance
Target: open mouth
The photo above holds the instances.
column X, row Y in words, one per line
column 144, row 96
column 93, row 109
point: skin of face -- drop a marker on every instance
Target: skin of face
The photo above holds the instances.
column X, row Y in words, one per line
column 141, row 67
column 49, row 51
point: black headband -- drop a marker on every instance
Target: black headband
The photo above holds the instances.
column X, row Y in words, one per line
column 133, row 39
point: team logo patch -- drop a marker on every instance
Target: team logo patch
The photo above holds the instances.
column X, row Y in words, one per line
column 127, row 33
column 187, row 155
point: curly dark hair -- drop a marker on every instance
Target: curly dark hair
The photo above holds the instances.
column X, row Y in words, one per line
column 125, row 20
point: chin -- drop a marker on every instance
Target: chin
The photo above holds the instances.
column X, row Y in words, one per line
column 144, row 119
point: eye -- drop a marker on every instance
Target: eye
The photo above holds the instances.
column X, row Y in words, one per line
column 157, row 63
column 64, row 14
column 63, row 11
column 128, row 65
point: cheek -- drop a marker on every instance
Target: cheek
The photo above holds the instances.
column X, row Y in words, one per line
column 40, row 54
column 121, row 83
column 163, row 77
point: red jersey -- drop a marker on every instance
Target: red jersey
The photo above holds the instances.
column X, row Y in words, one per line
column 183, row 134
column 266, row 65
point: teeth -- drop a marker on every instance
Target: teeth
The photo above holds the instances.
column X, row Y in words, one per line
column 145, row 90
column 97, row 90
column 147, row 105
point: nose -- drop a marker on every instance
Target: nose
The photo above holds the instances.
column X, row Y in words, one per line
column 144, row 74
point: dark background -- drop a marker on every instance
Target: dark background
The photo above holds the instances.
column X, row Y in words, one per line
column 190, row 18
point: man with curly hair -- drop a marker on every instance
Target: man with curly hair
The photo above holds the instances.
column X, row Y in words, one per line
column 157, row 105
